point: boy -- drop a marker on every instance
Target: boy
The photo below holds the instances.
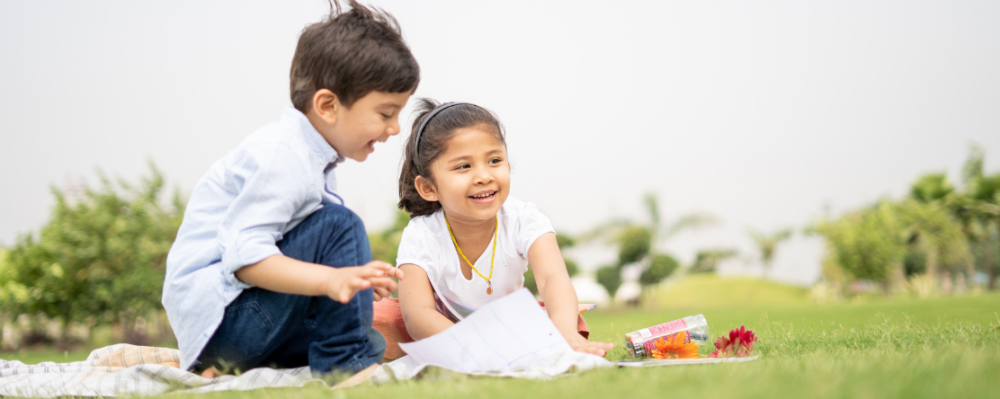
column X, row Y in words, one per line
column 269, row 268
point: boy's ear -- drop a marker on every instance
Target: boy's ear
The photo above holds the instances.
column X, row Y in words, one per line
column 426, row 189
column 326, row 104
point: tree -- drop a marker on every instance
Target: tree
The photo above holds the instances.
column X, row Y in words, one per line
column 101, row 258
column 660, row 266
column 866, row 244
column 767, row 244
column 981, row 203
column 933, row 228
column 978, row 209
column 928, row 216
column 706, row 261
column 937, row 229
column 634, row 243
column 639, row 242
column 931, row 187
column 610, row 277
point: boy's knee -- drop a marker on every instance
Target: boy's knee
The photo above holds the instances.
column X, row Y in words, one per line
column 343, row 237
column 339, row 215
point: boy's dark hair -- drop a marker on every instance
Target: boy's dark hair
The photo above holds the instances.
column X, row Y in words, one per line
column 433, row 142
column 352, row 54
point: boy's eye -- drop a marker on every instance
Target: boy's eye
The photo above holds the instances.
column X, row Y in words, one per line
column 386, row 116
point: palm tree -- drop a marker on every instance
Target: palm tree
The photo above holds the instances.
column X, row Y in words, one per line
column 977, row 209
column 980, row 219
column 661, row 232
column 767, row 244
column 640, row 241
column 931, row 187
column 645, row 237
column 927, row 214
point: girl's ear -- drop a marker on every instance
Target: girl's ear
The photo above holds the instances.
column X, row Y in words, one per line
column 426, row 189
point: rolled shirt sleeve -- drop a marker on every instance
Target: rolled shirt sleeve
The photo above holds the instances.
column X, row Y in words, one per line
column 269, row 195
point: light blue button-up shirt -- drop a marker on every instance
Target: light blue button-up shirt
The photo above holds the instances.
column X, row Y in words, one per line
column 238, row 211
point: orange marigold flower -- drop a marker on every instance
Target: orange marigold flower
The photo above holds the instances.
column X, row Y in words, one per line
column 676, row 346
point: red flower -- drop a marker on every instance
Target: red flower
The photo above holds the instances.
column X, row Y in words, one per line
column 739, row 344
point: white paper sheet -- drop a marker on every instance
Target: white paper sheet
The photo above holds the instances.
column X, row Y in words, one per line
column 511, row 333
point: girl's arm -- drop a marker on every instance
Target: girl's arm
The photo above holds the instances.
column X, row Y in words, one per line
column 557, row 291
column 416, row 302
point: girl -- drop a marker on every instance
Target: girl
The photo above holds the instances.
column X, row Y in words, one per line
column 469, row 243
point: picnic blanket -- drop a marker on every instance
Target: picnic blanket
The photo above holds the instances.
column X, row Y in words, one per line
column 128, row 370
column 124, row 370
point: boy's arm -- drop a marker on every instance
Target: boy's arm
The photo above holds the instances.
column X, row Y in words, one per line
column 280, row 273
column 557, row 291
column 416, row 302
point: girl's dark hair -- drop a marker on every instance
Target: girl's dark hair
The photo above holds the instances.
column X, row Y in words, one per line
column 433, row 142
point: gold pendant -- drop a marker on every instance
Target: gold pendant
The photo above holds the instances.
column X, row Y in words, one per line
column 489, row 288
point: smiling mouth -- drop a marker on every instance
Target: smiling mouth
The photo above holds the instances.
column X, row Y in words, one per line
column 489, row 195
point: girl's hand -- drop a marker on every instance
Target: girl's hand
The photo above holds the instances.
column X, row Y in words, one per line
column 382, row 292
column 580, row 344
column 344, row 282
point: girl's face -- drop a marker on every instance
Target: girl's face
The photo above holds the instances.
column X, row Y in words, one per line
column 471, row 177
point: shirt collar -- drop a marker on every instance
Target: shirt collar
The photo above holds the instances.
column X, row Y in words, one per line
column 314, row 140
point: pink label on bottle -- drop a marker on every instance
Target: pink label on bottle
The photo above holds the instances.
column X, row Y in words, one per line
column 647, row 337
column 667, row 328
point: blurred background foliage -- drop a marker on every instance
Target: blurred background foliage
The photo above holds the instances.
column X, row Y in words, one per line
column 385, row 243
column 639, row 245
column 100, row 260
column 941, row 238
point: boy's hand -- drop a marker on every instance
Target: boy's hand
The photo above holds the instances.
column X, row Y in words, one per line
column 580, row 344
column 347, row 281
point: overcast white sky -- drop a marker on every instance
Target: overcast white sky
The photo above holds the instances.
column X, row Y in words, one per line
column 761, row 113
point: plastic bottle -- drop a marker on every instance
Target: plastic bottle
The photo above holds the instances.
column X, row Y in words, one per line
column 640, row 343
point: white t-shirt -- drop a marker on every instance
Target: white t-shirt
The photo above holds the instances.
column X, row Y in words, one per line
column 426, row 243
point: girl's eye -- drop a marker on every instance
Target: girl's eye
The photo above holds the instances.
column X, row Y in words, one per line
column 462, row 166
column 386, row 116
column 495, row 161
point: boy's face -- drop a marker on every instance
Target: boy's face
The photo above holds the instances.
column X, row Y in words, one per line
column 353, row 131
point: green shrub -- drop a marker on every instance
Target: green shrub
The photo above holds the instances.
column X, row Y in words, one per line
column 633, row 244
column 706, row 261
column 385, row 244
column 610, row 277
column 100, row 259
column 660, row 266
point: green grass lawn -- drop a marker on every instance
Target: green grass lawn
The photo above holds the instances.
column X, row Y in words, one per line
column 35, row 356
column 895, row 347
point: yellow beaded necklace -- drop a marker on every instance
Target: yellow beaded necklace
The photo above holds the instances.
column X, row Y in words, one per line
column 496, row 228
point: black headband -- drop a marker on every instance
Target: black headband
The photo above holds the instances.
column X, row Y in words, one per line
column 420, row 131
